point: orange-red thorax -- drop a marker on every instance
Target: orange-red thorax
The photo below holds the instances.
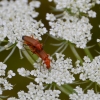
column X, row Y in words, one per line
column 31, row 41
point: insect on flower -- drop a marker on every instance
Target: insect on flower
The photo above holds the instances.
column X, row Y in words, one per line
column 31, row 41
column 36, row 47
column 44, row 56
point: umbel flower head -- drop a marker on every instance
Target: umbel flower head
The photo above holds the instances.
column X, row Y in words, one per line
column 4, row 84
column 59, row 72
column 73, row 24
column 77, row 6
column 80, row 95
column 17, row 20
column 37, row 92
column 70, row 28
column 89, row 70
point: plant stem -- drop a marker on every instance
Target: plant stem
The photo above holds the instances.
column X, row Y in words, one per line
column 5, row 47
column 88, row 86
column 88, row 53
column 12, row 51
column 28, row 56
column 67, row 89
column 96, row 88
column 75, row 53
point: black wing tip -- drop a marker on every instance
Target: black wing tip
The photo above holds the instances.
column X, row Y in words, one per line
column 23, row 37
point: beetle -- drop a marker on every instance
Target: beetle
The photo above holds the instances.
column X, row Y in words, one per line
column 37, row 48
column 31, row 41
column 44, row 56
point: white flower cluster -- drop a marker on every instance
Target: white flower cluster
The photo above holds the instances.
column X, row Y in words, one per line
column 98, row 40
column 77, row 6
column 59, row 72
column 23, row 72
column 37, row 92
column 90, row 95
column 89, row 70
column 17, row 20
column 71, row 28
column 4, row 84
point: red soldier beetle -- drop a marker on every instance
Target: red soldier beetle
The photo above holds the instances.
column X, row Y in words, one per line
column 31, row 41
column 44, row 56
column 36, row 47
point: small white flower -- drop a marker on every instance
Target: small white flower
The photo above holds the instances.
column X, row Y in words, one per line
column 92, row 14
column 31, row 86
column 20, row 45
column 2, row 80
column 98, row 40
column 87, row 59
column 2, row 66
column 23, row 72
column 10, row 74
column 21, row 95
column 34, row 4
column 50, row 17
column 8, row 86
column 2, row 72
